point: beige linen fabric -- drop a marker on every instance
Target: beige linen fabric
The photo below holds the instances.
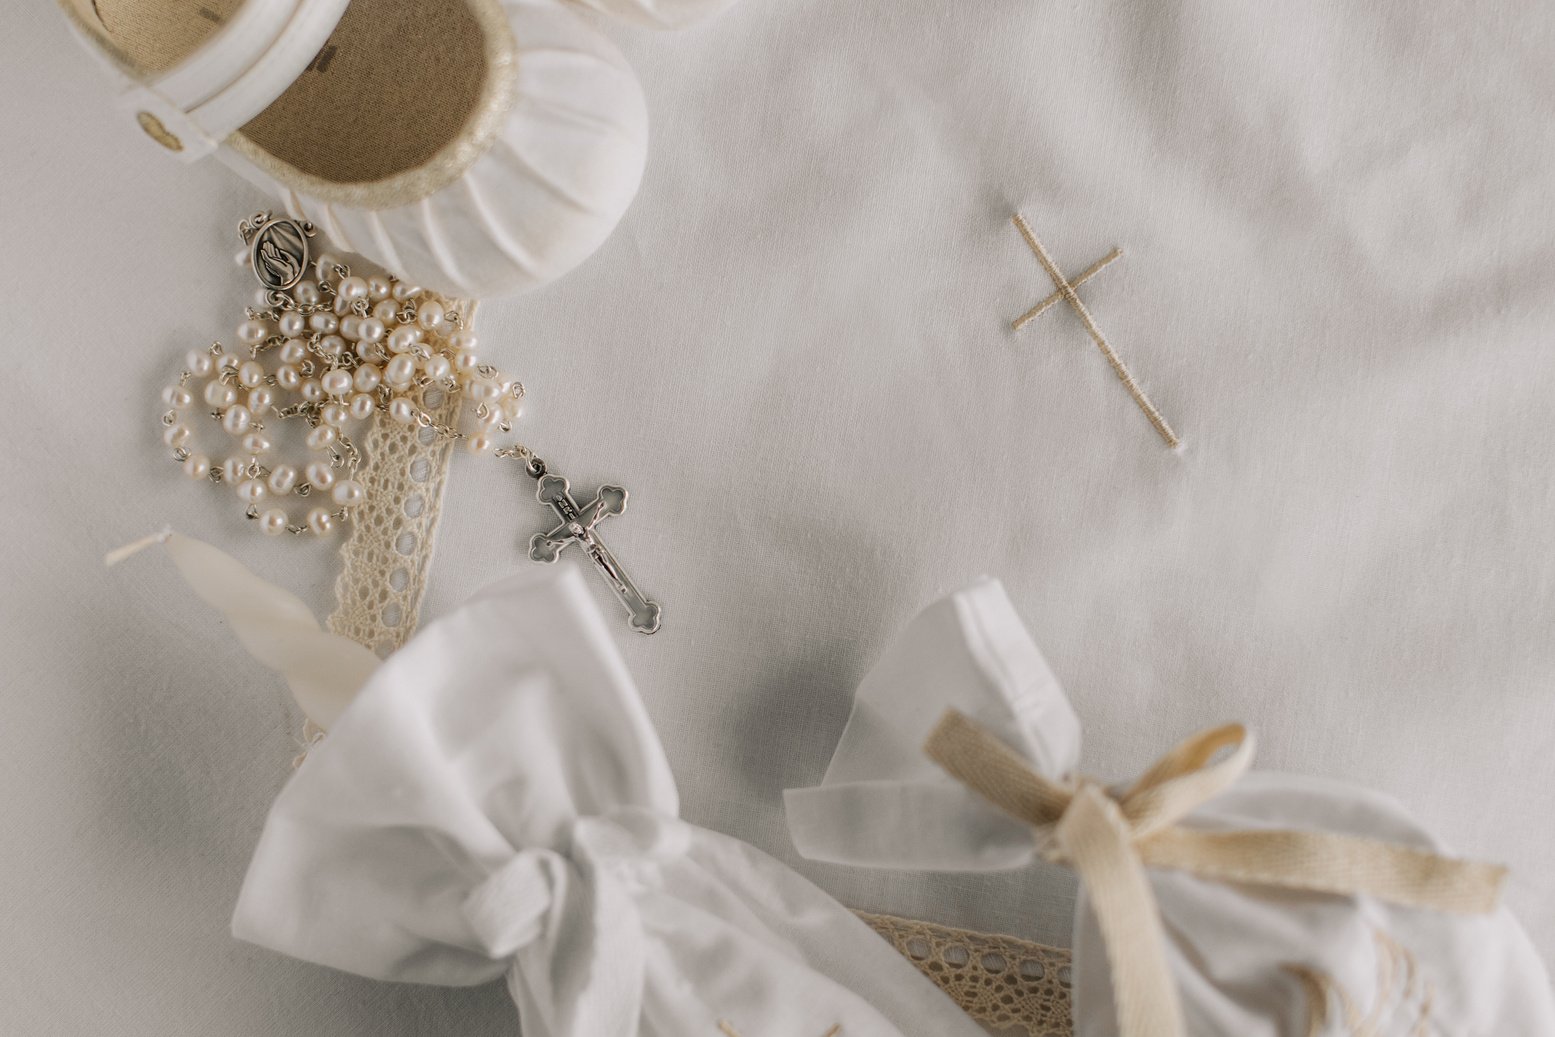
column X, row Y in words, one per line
column 795, row 352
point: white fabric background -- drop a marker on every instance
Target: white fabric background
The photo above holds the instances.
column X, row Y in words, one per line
column 1339, row 233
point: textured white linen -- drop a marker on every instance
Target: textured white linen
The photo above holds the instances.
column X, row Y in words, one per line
column 1238, row 953
column 495, row 802
column 1336, row 284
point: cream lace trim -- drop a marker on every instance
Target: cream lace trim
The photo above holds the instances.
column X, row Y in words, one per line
column 1002, row 982
column 999, row 981
column 386, row 558
column 384, row 562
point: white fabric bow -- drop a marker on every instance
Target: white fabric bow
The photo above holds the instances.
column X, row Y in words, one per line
column 1244, row 959
column 495, row 802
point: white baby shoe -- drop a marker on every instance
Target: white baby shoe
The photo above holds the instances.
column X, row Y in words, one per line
column 474, row 147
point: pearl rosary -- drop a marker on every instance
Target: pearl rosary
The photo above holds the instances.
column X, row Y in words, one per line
column 348, row 349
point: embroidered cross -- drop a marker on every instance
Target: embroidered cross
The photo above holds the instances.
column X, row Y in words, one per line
column 1402, row 993
column 1066, row 293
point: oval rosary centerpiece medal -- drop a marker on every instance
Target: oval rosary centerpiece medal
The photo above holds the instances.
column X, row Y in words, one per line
column 337, row 351
column 279, row 254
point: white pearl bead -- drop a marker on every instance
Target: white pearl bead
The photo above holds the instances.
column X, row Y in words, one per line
column 307, row 293
column 462, row 340
column 379, row 287
column 404, row 290
column 325, row 323
column 292, row 324
column 241, row 257
column 466, row 363
column 237, row 420
column 321, row 437
column 260, row 399
column 177, row 396
column 250, row 374
column 253, row 332
column 429, row 315
column 479, row 443
column 274, row 521
column 348, row 493
column 368, row 377
column 288, row 377
column 403, row 339
column 438, row 367
column 513, row 408
column 342, row 306
column 319, row 475
column 401, row 410
column 282, row 478
column 320, row 521
column 332, row 345
column 350, row 327
column 352, row 288
column 292, row 351
column 370, row 329
column 311, row 391
column 334, row 414
column 257, row 443
column 400, row 370
column 336, row 382
column 220, row 394
column 361, row 406
column 176, row 435
column 324, row 266
column 481, row 391
column 261, row 298
column 199, row 363
column 197, row 466
column 385, row 311
column 234, row 470
column 252, row 491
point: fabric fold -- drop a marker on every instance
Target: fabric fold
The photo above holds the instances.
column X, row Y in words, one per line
column 323, row 671
column 494, row 803
column 1214, row 902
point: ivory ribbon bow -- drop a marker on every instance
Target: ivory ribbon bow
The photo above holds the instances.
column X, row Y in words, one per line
column 1109, row 838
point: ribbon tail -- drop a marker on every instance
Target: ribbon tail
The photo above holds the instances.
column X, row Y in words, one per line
column 1328, row 862
column 1097, row 842
column 323, row 671
column 981, row 762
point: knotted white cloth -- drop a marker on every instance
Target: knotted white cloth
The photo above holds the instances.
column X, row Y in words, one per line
column 495, row 803
column 1243, row 959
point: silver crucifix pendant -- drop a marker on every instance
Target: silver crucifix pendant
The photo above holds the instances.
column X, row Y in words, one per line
column 578, row 525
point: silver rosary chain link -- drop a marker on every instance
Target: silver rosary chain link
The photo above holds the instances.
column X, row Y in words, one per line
column 323, row 353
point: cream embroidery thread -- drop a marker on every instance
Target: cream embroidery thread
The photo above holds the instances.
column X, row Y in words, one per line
column 1066, row 292
column 1057, row 297
column 1402, row 995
